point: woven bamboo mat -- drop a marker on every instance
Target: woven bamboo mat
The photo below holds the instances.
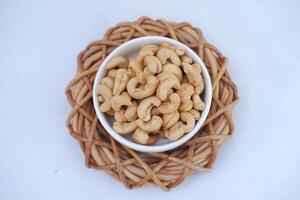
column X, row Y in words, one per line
column 166, row 170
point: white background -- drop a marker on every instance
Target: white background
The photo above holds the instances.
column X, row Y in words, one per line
column 39, row 42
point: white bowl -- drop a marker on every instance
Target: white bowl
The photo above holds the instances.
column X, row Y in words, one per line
column 131, row 48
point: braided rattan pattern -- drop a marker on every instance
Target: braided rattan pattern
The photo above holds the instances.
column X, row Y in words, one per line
column 166, row 170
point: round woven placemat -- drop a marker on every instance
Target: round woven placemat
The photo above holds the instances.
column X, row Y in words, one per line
column 132, row 168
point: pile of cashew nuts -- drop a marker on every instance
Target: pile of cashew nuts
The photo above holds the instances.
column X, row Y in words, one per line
column 158, row 93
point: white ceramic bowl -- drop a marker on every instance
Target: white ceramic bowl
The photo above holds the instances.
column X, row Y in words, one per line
column 131, row 48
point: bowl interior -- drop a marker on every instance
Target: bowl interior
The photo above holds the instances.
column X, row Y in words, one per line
column 130, row 49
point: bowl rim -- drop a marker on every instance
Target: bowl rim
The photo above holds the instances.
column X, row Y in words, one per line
column 140, row 42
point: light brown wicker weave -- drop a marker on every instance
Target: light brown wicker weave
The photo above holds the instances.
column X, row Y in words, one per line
column 133, row 169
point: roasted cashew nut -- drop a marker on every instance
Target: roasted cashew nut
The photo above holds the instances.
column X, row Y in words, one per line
column 197, row 67
column 165, row 86
column 152, row 47
column 170, row 119
column 130, row 112
column 142, row 137
column 124, row 127
column 180, row 51
column 171, row 106
column 189, row 119
column 195, row 113
column 120, row 81
column 144, row 91
column 106, row 93
column 165, row 54
column 150, row 126
column 200, row 88
column 145, row 106
column 186, row 106
column 176, row 131
column 171, row 68
column 118, row 101
column 153, row 64
column 118, row 61
column 108, row 81
column 166, row 75
column 165, row 44
column 197, row 102
column 185, row 92
column 193, row 74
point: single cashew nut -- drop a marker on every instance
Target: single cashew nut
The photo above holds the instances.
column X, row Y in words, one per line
column 140, row 136
column 189, row 119
column 195, row 113
column 171, row 68
column 106, row 93
column 200, row 88
column 144, row 91
column 165, row 44
column 176, row 131
column 145, row 106
column 124, row 127
column 166, row 75
column 197, row 102
column 186, row 106
column 153, row 64
column 120, row 81
column 193, row 75
column 108, row 81
column 165, row 86
column 130, row 112
column 118, row 61
column 198, row 67
column 154, row 48
column 180, row 51
column 118, row 101
column 170, row 119
column 152, row 125
column 185, row 92
column 164, row 54
column 171, row 106
column 119, row 116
